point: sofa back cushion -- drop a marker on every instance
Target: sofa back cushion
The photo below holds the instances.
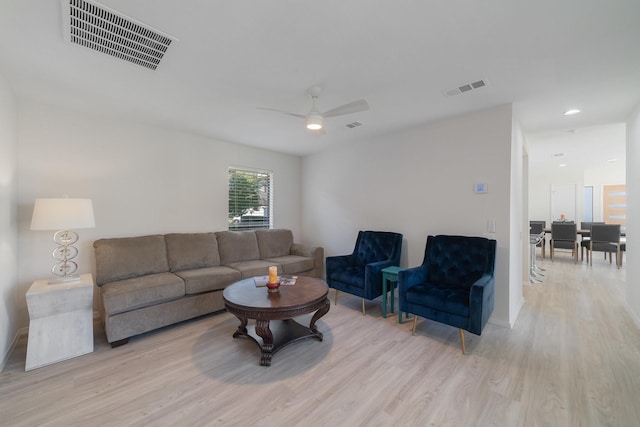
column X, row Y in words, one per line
column 127, row 257
column 236, row 246
column 186, row 251
column 274, row 243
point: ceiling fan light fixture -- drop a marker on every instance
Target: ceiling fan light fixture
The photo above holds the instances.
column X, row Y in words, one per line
column 314, row 121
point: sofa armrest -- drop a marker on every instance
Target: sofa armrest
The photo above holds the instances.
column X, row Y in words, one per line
column 481, row 299
column 408, row 278
column 315, row 252
column 373, row 277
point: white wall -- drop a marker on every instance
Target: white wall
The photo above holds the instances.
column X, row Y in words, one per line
column 142, row 180
column 633, row 215
column 419, row 182
column 540, row 185
column 541, row 182
column 9, row 318
column 518, row 229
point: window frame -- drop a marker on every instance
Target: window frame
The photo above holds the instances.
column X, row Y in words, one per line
column 249, row 215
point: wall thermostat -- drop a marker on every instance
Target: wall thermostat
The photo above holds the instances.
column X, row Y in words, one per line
column 480, row 188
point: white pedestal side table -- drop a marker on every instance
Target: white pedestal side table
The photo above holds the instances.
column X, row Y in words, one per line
column 60, row 321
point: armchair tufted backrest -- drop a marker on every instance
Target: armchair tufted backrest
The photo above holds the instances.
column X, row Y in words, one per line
column 459, row 260
column 374, row 246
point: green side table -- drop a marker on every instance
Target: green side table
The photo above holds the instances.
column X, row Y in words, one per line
column 390, row 275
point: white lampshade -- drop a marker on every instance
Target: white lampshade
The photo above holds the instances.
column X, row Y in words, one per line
column 62, row 214
column 314, row 121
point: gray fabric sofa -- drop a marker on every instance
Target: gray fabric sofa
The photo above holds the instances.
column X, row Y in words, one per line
column 148, row 282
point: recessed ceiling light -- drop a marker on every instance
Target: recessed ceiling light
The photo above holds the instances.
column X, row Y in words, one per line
column 563, row 165
column 612, row 160
column 571, row 112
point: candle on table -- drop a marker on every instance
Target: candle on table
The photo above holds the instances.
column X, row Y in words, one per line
column 273, row 274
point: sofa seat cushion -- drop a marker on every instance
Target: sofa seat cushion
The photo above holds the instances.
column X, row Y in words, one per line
column 144, row 291
column 274, row 243
column 447, row 298
column 208, row 279
column 292, row 264
column 237, row 246
column 186, row 251
column 127, row 257
column 253, row 268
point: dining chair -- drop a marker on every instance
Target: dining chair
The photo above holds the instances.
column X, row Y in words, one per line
column 605, row 238
column 585, row 235
column 564, row 235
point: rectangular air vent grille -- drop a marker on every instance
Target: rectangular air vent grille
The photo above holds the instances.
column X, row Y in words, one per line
column 467, row 87
column 354, row 125
column 92, row 25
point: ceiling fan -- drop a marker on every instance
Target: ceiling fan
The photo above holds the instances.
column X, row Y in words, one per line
column 314, row 119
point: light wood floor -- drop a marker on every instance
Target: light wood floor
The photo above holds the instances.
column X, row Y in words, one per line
column 572, row 359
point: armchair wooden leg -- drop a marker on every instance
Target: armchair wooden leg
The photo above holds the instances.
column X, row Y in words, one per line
column 335, row 301
column 462, row 340
column 415, row 322
column 363, row 307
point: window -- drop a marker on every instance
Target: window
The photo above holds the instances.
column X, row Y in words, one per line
column 249, row 199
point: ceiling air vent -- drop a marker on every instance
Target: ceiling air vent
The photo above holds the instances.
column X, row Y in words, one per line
column 467, row 87
column 97, row 27
column 354, row 125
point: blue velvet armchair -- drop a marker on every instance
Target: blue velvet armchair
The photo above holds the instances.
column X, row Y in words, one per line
column 454, row 285
column 360, row 273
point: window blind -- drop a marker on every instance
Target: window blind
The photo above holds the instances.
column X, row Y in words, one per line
column 249, row 199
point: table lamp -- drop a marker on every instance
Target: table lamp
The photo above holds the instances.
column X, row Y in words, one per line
column 63, row 214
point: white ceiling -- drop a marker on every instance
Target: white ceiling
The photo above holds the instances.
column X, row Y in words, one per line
column 580, row 151
column 235, row 55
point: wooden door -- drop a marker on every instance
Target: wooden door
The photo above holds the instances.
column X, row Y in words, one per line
column 614, row 204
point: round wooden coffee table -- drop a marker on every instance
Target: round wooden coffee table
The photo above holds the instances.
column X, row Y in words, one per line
column 274, row 312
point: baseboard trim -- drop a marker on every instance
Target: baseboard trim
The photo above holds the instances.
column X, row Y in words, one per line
column 500, row 323
column 505, row 323
column 20, row 332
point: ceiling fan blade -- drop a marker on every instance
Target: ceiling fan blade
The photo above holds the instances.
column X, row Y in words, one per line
column 352, row 107
column 302, row 116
